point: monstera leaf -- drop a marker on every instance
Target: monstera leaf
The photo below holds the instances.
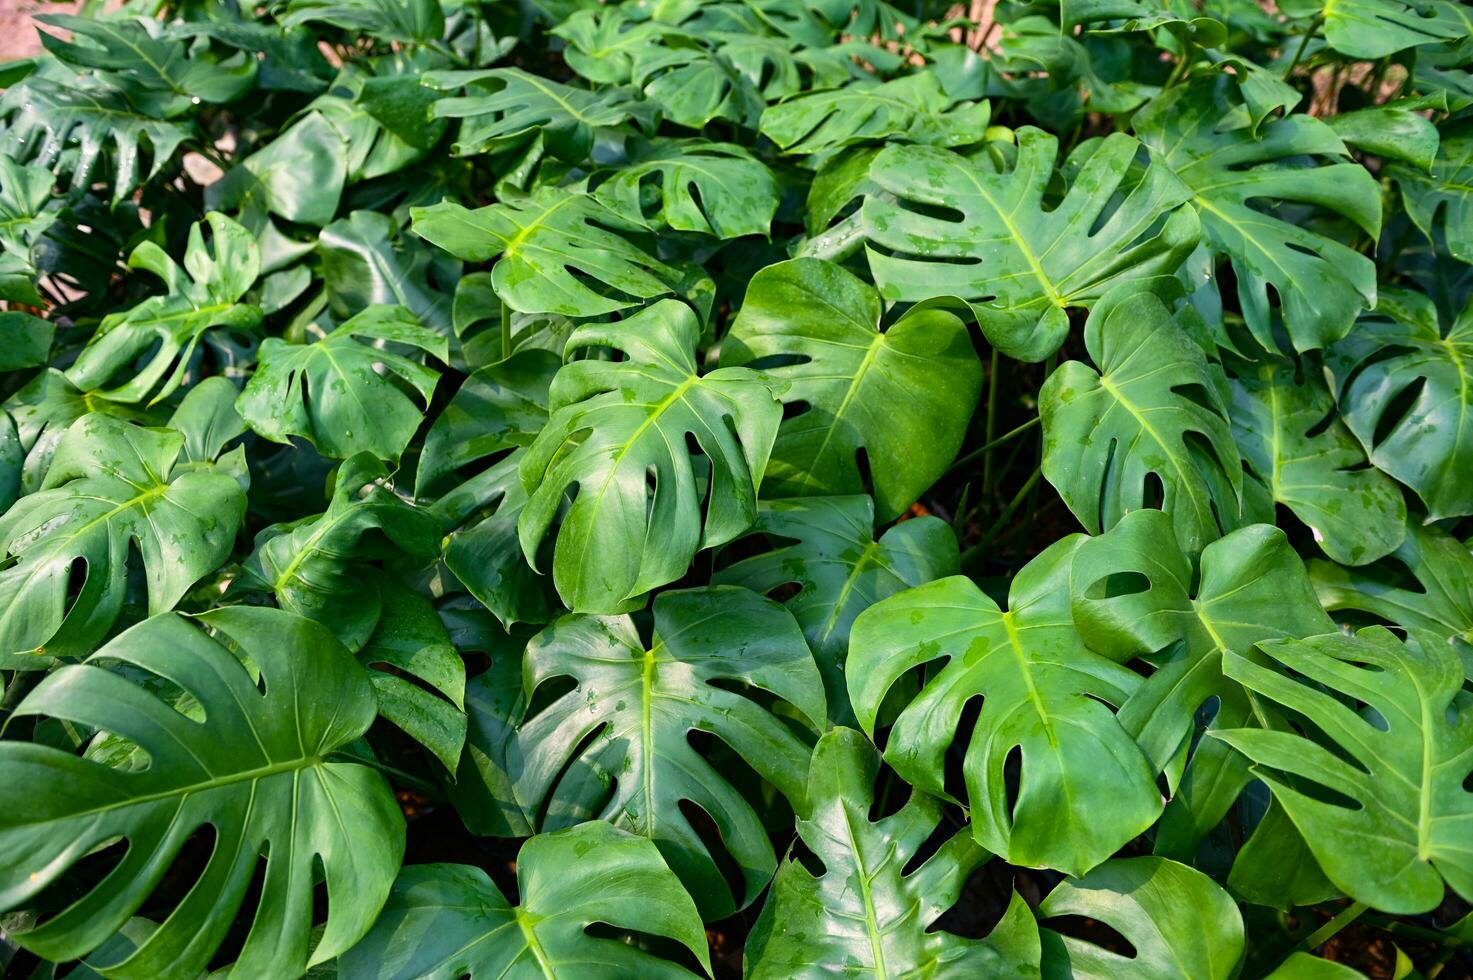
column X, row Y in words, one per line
column 387, row 20
column 862, row 917
column 250, row 766
column 337, row 394
column 315, row 565
column 629, row 719
column 26, row 211
column 160, row 72
column 366, row 262
column 825, row 546
column 1404, row 383
column 495, row 414
column 620, row 432
column 1398, row 824
column 505, row 106
column 52, row 111
column 902, row 396
column 43, row 411
column 1444, row 192
column 1179, row 923
column 1250, row 586
column 1022, row 267
column 412, row 643
column 911, row 109
column 298, row 176
column 1320, row 283
column 542, row 242
column 1373, row 29
column 165, row 330
column 1044, row 694
column 450, row 920
column 715, row 188
column 694, row 86
column 1319, row 472
column 1150, row 419
column 111, row 486
column 1426, row 584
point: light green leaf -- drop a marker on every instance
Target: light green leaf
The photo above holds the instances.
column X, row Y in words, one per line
column 445, row 921
column 914, row 108
column 1020, row 266
column 902, row 396
column 1044, row 695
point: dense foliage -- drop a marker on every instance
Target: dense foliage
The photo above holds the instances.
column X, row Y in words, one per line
column 769, row 488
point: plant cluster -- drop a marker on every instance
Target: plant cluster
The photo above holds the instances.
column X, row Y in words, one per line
column 768, row 488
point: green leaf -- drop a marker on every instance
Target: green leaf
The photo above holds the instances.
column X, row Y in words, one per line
column 1180, row 924
column 386, row 20
column 315, row 565
column 1305, row 966
column 450, row 920
column 111, row 486
column 862, row 917
column 1044, row 695
column 694, row 87
column 619, row 433
column 1425, row 584
column 1392, row 132
column 691, row 185
column 332, row 392
column 1442, row 191
column 1398, row 825
column 365, row 262
column 911, row 109
column 1134, row 594
column 1404, row 385
column 1020, row 266
column 1356, row 513
column 158, row 71
column 44, row 409
column 298, row 176
column 26, row 340
column 250, row 766
column 1371, row 29
column 1251, row 193
column 902, row 397
column 1148, row 426
column 713, row 653
column 483, row 791
column 506, row 106
column 412, row 641
column 825, row 546
column 542, row 242
column 48, row 116
column 27, row 210
column 163, row 332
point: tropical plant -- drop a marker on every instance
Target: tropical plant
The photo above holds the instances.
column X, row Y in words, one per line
column 559, row 488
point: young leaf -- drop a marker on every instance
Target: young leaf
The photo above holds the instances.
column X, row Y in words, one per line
column 314, row 566
column 1179, row 923
column 111, row 486
column 203, row 295
column 902, row 397
column 541, row 242
column 1398, row 826
column 332, row 393
column 1401, row 352
column 1357, row 513
column 1044, row 695
column 450, row 920
column 252, row 767
column 621, row 433
column 1320, row 283
column 1150, row 419
column 644, row 702
column 1020, row 266
column 862, row 915
column 825, row 546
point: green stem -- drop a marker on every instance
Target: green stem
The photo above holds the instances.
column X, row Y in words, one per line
column 505, row 330
column 974, row 554
column 1314, row 27
column 992, row 444
column 991, row 428
column 1397, row 927
column 1328, row 931
column 414, row 782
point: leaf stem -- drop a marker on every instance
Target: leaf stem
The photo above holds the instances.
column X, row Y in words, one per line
column 991, row 428
column 1328, row 931
column 973, row 554
column 505, row 330
column 992, row 444
column 1314, row 27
